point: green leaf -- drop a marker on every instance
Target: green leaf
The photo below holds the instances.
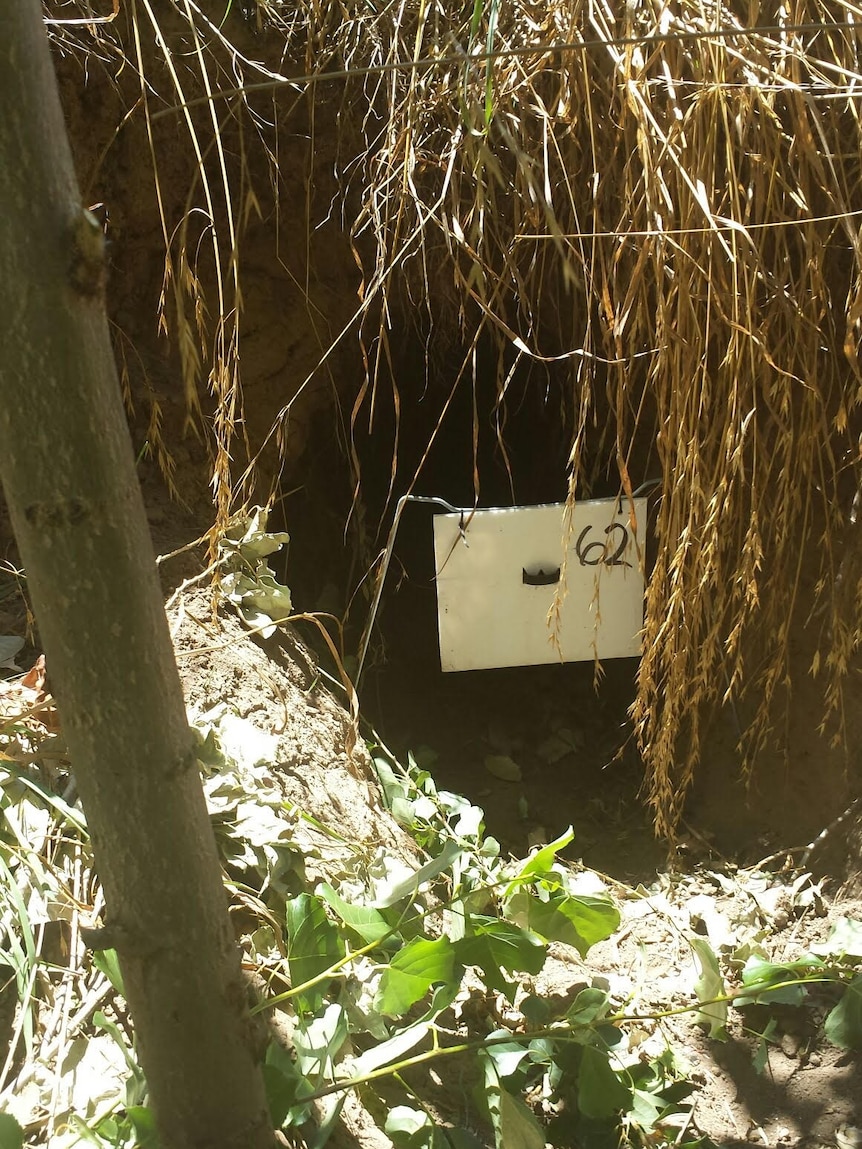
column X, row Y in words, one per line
column 645, row 1110
column 843, row 1026
column 412, row 1129
column 519, row 1129
column 363, row 920
column 282, row 1094
column 11, row 1133
column 279, row 1094
column 412, row 972
column 108, row 1129
column 116, row 1035
column 396, row 789
column 408, row 886
column 576, row 920
column 537, row 1011
column 845, row 939
column 106, row 961
column 467, row 821
column 765, row 981
column 319, row 1042
column 541, row 862
column 495, row 945
column 507, row 1055
column 590, row 1006
column 601, row 1094
column 760, row 1060
column 286, row 1088
column 460, row 1138
column 404, row 812
column 314, row 946
column 391, row 1050
column 709, row 985
column 515, row 1127
column 144, row 1124
column 409, row 1128
column 442, row 997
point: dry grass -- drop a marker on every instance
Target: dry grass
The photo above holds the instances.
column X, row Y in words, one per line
column 657, row 204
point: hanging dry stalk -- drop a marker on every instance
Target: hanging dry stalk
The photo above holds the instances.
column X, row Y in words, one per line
column 668, row 209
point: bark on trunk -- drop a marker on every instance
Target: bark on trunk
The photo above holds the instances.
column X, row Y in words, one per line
column 68, row 472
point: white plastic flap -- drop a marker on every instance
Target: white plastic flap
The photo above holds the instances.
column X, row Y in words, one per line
column 499, row 577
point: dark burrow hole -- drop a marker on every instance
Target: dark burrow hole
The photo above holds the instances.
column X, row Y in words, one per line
column 565, row 726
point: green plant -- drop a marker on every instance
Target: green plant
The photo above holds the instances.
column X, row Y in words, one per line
column 391, row 971
column 832, row 971
column 382, row 973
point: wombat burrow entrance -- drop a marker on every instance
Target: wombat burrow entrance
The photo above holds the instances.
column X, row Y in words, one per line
column 538, row 748
column 563, row 730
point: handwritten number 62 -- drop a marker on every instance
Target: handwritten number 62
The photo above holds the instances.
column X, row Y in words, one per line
column 598, row 552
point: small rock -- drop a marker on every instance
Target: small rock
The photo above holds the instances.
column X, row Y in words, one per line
column 502, row 766
column 790, row 1043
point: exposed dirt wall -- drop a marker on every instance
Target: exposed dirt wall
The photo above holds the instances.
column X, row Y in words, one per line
column 298, row 276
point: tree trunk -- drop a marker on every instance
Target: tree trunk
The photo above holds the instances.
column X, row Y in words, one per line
column 68, row 472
